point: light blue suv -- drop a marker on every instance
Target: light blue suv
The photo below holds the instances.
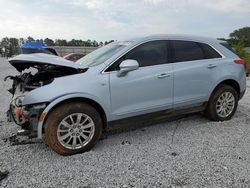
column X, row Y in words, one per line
column 72, row 103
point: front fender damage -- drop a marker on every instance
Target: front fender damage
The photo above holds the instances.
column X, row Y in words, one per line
column 27, row 117
column 44, row 70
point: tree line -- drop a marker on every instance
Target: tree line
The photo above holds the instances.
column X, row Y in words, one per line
column 239, row 39
column 10, row 46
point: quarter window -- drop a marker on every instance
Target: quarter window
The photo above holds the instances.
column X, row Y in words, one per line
column 209, row 52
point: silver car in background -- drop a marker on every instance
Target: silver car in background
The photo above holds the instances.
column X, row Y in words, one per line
column 70, row 104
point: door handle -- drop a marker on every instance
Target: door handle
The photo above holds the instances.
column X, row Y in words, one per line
column 164, row 75
column 211, row 66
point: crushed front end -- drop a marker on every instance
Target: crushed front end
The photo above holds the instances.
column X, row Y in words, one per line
column 25, row 116
column 35, row 71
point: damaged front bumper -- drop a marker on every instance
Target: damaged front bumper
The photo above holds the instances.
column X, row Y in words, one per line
column 27, row 117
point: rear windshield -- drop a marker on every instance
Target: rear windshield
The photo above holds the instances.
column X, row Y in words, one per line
column 226, row 45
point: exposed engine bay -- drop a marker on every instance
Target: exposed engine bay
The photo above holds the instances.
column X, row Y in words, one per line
column 46, row 74
column 43, row 74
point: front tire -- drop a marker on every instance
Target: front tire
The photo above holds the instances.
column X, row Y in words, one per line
column 222, row 103
column 73, row 128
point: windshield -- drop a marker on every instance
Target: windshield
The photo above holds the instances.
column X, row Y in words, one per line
column 102, row 54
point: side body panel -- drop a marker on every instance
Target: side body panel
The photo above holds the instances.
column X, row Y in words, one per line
column 141, row 91
column 194, row 81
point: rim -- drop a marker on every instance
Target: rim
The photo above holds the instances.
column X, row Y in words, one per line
column 75, row 131
column 225, row 104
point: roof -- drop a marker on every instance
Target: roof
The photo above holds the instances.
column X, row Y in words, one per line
column 177, row 37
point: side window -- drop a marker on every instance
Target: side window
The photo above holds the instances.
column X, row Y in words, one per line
column 150, row 53
column 190, row 51
column 147, row 54
column 187, row 51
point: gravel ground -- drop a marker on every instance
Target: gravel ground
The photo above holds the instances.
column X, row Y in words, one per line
column 191, row 152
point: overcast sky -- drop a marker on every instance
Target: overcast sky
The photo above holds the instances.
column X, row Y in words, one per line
column 121, row 19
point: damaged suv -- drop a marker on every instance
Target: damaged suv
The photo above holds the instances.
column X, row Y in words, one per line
column 70, row 104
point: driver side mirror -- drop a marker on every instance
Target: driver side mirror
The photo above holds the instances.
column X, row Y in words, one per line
column 127, row 66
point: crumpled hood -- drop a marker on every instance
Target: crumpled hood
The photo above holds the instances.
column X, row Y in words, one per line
column 25, row 61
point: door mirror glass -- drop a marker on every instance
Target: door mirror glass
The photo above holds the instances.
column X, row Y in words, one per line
column 127, row 66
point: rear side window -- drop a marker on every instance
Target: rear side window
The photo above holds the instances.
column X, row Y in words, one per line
column 187, row 51
column 190, row 51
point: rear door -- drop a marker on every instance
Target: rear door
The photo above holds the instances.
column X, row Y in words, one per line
column 195, row 66
column 147, row 89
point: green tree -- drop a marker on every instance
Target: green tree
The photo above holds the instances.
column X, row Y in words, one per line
column 5, row 46
column 61, row 42
column 88, row 43
column 101, row 43
column 49, row 42
column 30, row 38
column 107, row 42
column 39, row 40
column 95, row 43
column 240, row 35
column 9, row 46
column 14, row 46
column 239, row 49
column 75, row 42
column 21, row 41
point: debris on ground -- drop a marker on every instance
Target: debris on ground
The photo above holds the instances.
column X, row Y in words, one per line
column 3, row 175
column 13, row 140
column 174, row 154
column 126, row 143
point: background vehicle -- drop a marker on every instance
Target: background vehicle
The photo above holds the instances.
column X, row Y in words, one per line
column 74, row 56
column 30, row 47
column 142, row 78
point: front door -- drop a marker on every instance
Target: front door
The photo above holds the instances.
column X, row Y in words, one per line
column 147, row 89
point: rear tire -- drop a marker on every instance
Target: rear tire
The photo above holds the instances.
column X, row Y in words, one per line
column 73, row 128
column 222, row 103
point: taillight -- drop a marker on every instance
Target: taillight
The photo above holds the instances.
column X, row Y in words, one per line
column 241, row 62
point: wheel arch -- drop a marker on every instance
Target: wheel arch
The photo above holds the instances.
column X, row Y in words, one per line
column 230, row 82
column 66, row 99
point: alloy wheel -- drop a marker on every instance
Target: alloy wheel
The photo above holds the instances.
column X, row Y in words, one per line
column 75, row 131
